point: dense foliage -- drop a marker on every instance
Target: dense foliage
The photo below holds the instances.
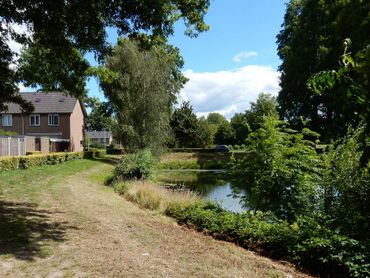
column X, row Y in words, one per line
column 144, row 87
column 24, row 162
column 305, row 241
column 100, row 114
column 290, row 179
column 138, row 165
column 60, row 32
column 282, row 168
column 185, row 127
column 310, row 42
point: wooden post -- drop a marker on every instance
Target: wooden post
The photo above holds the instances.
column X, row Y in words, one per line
column 8, row 146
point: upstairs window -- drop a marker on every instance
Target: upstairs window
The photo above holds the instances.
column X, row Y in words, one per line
column 7, row 120
column 35, row 120
column 53, row 119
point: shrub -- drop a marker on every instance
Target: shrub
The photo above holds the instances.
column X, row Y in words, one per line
column 135, row 166
column 94, row 153
column 9, row 163
column 24, row 162
column 55, row 158
column 304, row 242
column 100, row 153
column 33, row 152
column 32, row 160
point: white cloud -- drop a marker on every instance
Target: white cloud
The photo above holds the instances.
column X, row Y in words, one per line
column 230, row 91
column 20, row 29
column 244, row 55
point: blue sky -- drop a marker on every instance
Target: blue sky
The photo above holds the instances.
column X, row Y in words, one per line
column 232, row 63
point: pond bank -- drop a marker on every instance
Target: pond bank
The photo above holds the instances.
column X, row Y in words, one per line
column 210, row 161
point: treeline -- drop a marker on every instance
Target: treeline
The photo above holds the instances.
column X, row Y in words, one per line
column 190, row 131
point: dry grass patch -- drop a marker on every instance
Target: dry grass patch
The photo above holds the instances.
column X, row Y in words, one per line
column 155, row 197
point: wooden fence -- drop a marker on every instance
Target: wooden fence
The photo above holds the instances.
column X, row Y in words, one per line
column 12, row 146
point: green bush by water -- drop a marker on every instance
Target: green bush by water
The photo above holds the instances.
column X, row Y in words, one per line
column 305, row 241
column 139, row 165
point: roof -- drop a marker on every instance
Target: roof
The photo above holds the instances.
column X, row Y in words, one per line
column 46, row 102
column 98, row 134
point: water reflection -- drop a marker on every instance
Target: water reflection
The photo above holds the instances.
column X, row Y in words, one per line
column 218, row 186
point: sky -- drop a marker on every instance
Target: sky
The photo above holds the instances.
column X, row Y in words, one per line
column 232, row 63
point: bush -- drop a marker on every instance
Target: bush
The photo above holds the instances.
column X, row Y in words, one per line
column 304, row 242
column 135, row 166
column 94, row 153
column 9, row 163
column 24, row 162
column 33, row 152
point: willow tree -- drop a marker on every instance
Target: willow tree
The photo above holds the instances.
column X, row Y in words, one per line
column 146, row 81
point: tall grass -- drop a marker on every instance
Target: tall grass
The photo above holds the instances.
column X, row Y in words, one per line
column 152, row 196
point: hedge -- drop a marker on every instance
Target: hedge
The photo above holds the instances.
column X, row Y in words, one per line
column 24, row 162
column 94, row 153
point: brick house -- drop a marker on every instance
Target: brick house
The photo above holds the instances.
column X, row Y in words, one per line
column 57, row 115
column 103, row 138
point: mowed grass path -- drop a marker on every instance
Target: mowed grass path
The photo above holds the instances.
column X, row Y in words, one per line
column 61, row 221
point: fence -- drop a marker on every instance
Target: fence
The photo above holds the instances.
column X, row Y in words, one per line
column 12, row 146
column 19, row 145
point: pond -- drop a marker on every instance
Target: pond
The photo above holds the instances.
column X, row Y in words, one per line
column 215, row 185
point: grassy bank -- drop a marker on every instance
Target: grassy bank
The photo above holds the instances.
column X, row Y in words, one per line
column 152, row 196
column 61, row 221
column 303, row 242
column 182, row 160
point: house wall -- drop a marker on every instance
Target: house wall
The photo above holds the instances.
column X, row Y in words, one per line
column 17, row 124
column 76, row 128
column 63, row 127
column 44, row 128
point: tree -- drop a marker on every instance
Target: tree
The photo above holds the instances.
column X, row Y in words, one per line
column 141, row 92
column 100, row 116
column 282, row 169
column 253, row 118
column 310, row 42
column 184, row 124
column 225, row 134
column 241, row 128
column 265, row 106
column 206, row 133
column 60, row 32
column 216, row 119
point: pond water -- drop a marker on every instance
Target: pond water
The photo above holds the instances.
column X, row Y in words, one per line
column 215, row 185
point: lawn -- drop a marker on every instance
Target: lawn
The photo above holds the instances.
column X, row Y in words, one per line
column 62, row 221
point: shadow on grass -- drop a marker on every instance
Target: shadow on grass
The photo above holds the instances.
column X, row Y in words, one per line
column 24, row 229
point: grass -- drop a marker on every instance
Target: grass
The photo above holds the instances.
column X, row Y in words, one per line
column 172, row 161
column 62, row 221
column 152, row 196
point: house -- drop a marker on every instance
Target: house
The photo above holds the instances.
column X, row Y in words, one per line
column 103, row 138
column 57, row 115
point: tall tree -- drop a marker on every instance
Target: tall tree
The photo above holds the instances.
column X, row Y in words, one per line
column 184, row 124
column 61, row 31
column 141, row 92
column 100, row 116
column 310, row 42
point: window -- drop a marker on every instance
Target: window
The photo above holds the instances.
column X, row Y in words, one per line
column 53, row 119
column 35, row 120
column 7, row 120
